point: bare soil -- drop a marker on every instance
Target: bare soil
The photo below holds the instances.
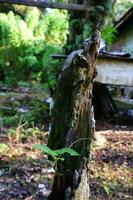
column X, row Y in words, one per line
column 26, row 174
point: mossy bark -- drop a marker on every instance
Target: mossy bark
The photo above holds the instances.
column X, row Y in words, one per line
column 72, row 122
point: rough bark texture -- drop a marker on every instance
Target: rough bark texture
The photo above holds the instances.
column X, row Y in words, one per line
column 72, row 121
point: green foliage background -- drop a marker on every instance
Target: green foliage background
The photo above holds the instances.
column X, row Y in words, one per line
column 29, row 36
column 27, row 39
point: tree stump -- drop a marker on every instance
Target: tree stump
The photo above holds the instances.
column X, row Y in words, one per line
column 72, row 121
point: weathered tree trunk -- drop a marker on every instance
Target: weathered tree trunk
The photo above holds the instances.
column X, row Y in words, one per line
column 72, row 122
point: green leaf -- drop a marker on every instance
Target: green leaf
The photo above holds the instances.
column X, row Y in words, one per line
column 3, row 148
column 106, row 188
column 68, row 150
column 56, row 153
column 46, row 150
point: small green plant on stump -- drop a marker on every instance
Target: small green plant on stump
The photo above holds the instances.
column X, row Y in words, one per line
column 56, row 154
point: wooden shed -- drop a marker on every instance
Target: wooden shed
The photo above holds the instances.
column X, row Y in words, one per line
column 116, row 67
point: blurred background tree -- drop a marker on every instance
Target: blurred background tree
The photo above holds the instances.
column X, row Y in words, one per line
column 27, row 39
column 121, row 7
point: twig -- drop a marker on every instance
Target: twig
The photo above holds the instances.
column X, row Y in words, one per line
column 116, row 143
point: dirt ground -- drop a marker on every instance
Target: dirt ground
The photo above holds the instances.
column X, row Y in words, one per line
column 26, row 174
column 111, row 168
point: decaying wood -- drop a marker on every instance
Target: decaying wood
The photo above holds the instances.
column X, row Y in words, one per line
column 83, row 191
column 45, row 4
column 71, row 117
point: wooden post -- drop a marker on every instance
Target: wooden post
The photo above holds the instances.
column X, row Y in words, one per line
column 45, row 4
column 72, row 121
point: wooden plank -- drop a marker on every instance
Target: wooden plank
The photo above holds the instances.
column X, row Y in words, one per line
column 59, row 56
column 45, row 4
